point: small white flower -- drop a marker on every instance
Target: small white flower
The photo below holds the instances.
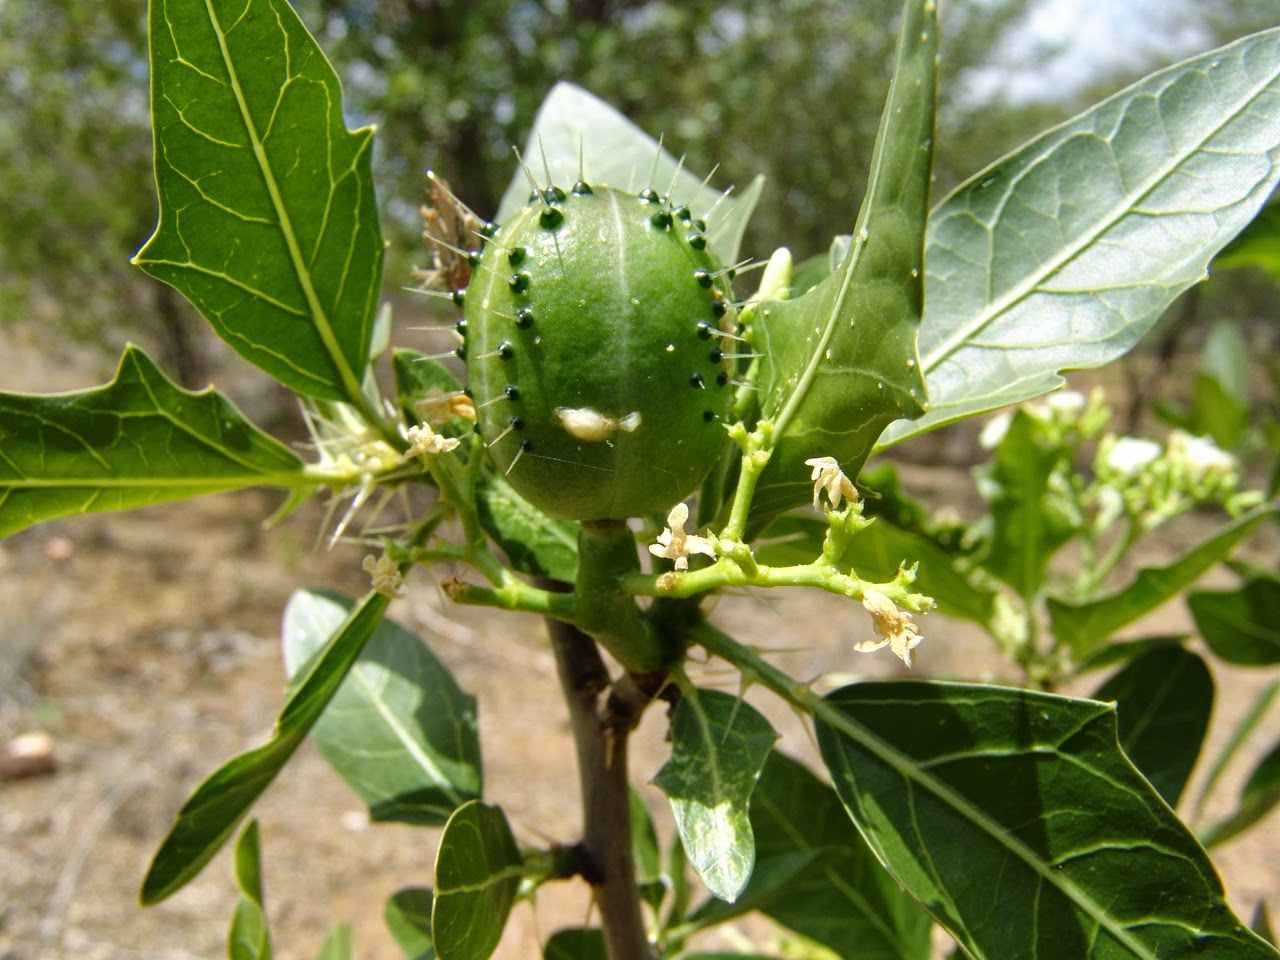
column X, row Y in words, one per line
column 386, row 575
column 674, row 544
column 1128, row 455
column 828, row 476
column 1200, row 455
column 893, row 625
column 994, row 430
column 1066, row 401
column 423, row 440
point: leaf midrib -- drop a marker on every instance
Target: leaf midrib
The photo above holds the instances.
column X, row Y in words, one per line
column 912, row 773
column 319, row 316
column 964, row 334
column 407, row 741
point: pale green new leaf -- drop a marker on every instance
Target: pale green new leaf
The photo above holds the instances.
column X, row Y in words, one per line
column 267, row 216
column 580, row 134
column 137, row 440
column 1087, row 625
column 1063, row 254
column 478, row 870
column 719, row 744
column 209, row 817
column 1018, row 823
column 840, row 362
column 249, row 938
column 1164, row 699
column 399, row 730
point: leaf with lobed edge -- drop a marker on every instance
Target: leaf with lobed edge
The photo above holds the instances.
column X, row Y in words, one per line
column 1062, row 255
column 268, row 223
column 137, row 440
column 1015, row 819
column 840, row 362
column 618, row 153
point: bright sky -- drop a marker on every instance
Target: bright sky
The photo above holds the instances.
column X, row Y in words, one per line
column 1061, row 44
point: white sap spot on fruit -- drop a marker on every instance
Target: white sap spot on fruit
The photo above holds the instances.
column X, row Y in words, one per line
column 484, row 304
column 671, row 348
column 592, row 426
column 635, row 301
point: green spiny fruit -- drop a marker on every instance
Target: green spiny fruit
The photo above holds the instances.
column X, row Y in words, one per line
column 594, row 331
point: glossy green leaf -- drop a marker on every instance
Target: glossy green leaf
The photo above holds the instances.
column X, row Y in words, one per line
column 137, row 440
column 338, row 945
column 1087, row 625
column 533, row 542
column 399, row 730
column 1016, row 820
column 1241, row 626
column 576, row 132
column 1063, row 254
column 718, row 745
column 576, row 944
column 646, row 852
column 876, row 553
column 249, row 938
column 840, row 362
column 1258, row 245
column 1259, row 797
column 1240, row 737
column 478, row 870
column 816, row 875
column 209, row 817
column 1164, row 699
column 267, row 216
column 408, row 916
column 1030, row 520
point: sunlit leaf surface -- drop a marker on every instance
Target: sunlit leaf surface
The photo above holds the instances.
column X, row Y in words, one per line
column 1018, row 823
column 1063, row 254
column 137, row 440
column 399, row 730
column 840, row 362
column 267, row 216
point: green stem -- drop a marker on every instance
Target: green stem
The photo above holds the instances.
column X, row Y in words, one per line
column 515, row 594
column 605, row 610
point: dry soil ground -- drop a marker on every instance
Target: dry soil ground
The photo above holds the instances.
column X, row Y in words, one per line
column 147, row 644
